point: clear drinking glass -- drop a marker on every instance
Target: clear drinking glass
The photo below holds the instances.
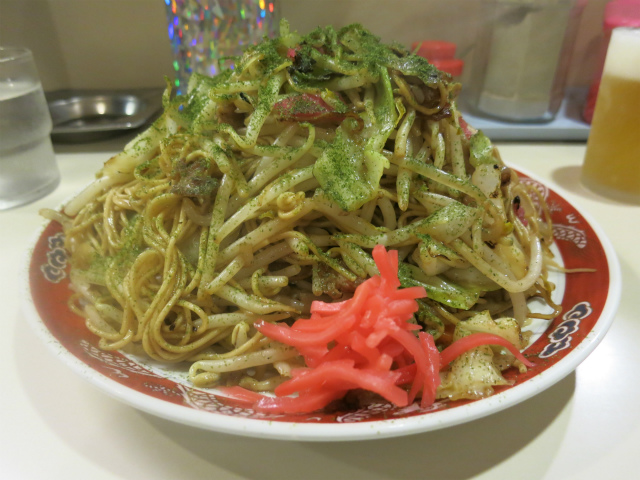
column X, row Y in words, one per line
column 28, row 168
column 612, row 162
column 203, row 33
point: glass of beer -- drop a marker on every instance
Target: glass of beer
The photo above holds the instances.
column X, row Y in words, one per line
column 612, row 162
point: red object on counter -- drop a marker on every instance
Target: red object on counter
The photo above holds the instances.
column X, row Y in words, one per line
column 618, row 13
column 622, row 13
column 452, row 66
column 434, row 49
column 441, row 54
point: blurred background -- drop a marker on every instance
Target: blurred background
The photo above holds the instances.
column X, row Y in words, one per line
column 124, row 43
column 525, row 65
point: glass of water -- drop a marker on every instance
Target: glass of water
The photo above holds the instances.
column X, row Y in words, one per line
column 28, row 168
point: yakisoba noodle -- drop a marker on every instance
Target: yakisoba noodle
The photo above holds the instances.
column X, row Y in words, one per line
column 267, row 187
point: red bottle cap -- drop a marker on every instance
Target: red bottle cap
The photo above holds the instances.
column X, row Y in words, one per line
column 452, row 66
column 434, row 49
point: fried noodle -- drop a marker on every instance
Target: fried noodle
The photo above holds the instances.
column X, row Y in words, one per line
column 267, row 186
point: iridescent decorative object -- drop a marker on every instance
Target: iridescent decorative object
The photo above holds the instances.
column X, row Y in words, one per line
column 205, row 33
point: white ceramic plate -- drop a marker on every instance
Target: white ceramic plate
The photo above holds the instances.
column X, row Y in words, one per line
column 589, row 302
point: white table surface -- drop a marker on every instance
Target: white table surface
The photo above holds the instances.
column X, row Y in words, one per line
column 54, row 425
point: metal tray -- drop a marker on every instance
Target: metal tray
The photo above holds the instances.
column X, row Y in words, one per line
column 91, row 115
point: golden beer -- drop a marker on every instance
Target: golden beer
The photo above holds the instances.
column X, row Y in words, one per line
column 612, row 162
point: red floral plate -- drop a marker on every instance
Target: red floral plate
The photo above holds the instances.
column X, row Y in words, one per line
column 589, row 302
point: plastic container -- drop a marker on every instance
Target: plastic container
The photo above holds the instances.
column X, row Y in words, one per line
column 618, row 13
column 521, row 58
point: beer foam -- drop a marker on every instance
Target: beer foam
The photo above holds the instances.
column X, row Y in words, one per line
column 623, row 55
